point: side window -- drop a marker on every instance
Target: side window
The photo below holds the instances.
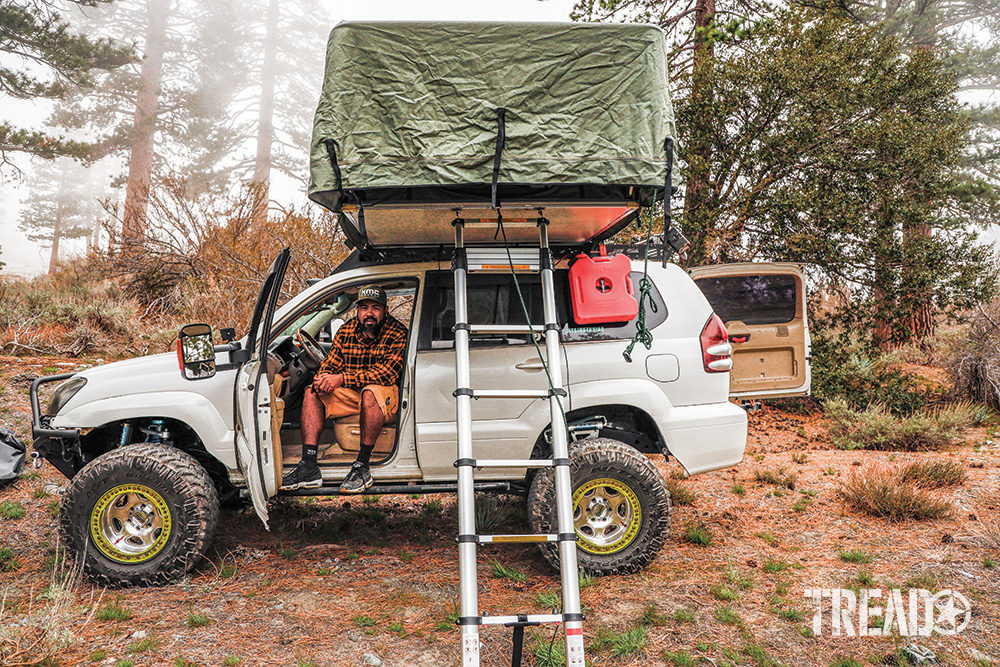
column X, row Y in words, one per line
column 756, row 299
column 493, row 299
column 574, row 333
column 322, row 319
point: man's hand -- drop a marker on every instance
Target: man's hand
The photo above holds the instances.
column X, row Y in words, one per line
column 327, row 382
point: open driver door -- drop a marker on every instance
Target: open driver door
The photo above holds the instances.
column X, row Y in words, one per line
column 763, row 306
column 257, row 455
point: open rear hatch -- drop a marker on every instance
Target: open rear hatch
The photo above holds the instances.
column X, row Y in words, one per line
column 419, row 123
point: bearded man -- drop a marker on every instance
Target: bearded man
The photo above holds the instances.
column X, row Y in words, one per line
column 360, row 376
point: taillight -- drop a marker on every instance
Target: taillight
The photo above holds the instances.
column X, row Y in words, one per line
column 715, row 347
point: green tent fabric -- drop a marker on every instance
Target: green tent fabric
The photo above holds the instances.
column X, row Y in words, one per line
column 411, row 109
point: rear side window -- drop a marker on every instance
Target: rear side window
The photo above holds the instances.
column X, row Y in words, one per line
column 655, row 316
column 758, row 299
column 493, row 299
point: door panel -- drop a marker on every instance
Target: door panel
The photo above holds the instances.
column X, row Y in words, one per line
column 502, row 428
column 764, row 309
column 255, row 448
column 251, row 428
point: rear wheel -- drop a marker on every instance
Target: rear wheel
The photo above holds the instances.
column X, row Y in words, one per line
column 142, row 514
column 621, row 507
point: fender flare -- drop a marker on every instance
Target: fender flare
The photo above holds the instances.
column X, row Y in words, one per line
column 642, row 395
column 190, row 408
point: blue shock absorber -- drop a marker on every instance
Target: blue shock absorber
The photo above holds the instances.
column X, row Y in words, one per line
column 156, row 432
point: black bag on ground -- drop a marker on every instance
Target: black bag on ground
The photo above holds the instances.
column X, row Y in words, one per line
column 11, row 457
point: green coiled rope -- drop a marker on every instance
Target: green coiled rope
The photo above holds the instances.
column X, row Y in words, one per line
column 642, row 334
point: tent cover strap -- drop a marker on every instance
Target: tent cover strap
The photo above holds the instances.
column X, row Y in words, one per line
column 411, row 109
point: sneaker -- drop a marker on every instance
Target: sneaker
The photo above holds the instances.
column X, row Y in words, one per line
column 357, row 480
column 305, row 475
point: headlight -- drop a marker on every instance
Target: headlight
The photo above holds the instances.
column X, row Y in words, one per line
column 63, row 393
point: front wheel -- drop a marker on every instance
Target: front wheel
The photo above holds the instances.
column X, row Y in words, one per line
column 141, row 514
column 621, row 507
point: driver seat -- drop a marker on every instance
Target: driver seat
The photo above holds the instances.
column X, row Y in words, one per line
column 347, row 431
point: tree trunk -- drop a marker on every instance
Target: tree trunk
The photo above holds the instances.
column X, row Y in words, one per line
column 919, row 307
column 95, row 236
column 140, row 165
column 696, row 192
column 883, row 278
column 56, row 234
column 265, row 122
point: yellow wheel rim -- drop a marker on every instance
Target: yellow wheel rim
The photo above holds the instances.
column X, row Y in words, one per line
column 130, row 523
column 607, row 515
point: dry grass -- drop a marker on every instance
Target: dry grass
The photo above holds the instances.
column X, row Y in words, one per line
column 934, row 474
column 878, row 429
column 680, row 494
column 201, row 259
column 987, row 536
column 44, row 633
column 776, row 477
column 878, row 490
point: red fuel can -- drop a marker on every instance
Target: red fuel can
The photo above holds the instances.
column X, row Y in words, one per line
column 601, row 289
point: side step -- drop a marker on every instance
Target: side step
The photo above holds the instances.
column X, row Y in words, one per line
column 394, row 489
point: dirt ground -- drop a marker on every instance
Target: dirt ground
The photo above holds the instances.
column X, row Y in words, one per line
column 355, row 582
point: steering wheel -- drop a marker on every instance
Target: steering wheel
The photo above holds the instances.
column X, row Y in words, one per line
column 312, row 353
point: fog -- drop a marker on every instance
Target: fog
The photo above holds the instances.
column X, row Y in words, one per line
column 23, row 257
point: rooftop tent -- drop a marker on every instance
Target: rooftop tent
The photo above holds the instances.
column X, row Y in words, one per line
column 418, row 119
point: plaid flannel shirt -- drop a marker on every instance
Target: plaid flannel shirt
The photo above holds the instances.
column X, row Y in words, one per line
column 362, row 363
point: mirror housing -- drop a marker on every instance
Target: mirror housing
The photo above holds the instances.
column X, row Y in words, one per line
column 196, row 352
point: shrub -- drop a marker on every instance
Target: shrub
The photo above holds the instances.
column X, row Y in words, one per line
column 679, row 659
column 651, row 616
column 501, row 571
column 548, row 651
column 878, row 429
column 726, row 615
column 776, row 477
column 491, row 511
column 934, row 474
column 624, row 644
column 720, row 592
column 196, row 620
column 974, row 363
column 680, row 494
column 683, row 615
column 697, row 533
column 11, row 510
column 855, row 556
column 113, row 611
column 845, row 369
column 877, row 490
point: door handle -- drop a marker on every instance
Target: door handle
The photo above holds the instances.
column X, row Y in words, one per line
column 530, row 366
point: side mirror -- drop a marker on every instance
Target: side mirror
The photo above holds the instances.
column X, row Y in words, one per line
column 195, row 352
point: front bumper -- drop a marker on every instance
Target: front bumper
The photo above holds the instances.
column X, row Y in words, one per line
column 59, row 446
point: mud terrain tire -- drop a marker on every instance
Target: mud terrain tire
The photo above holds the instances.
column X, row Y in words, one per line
column 139, row 515
column 621, row 507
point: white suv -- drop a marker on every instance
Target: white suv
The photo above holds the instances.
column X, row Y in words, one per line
column 151, row 448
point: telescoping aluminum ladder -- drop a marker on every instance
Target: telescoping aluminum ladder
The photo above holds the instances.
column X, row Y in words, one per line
column 531, row 259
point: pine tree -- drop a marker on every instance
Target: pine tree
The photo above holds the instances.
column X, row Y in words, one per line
column 64, row 203
column 53, row 60
column 830, row 145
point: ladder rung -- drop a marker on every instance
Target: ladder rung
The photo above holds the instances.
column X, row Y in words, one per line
column 517, row 539
column 512, row 463
column 504, row 329
column 507, row 222
column 530, row 618
column 510, row 393
column 496, row 259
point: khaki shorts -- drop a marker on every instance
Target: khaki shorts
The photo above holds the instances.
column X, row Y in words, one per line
column 344, row 402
